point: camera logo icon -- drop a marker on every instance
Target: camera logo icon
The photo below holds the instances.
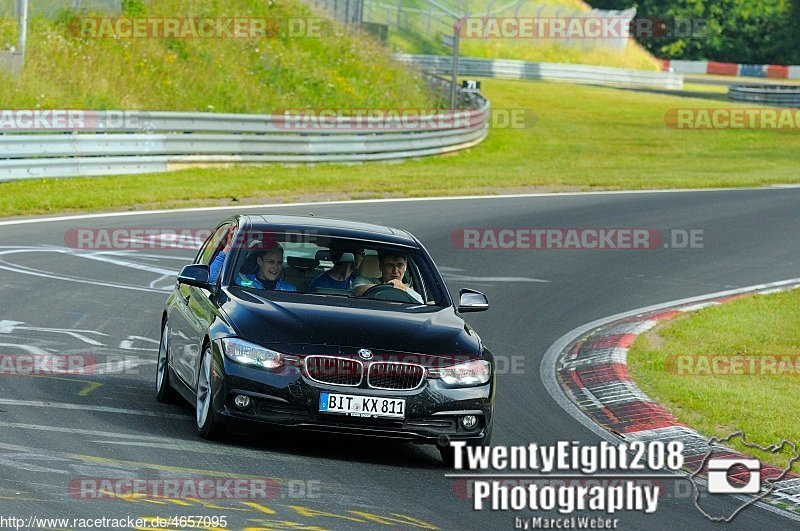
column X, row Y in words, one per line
column 719, row 476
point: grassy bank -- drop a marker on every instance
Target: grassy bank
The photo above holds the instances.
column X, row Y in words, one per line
column 418, row 35
column 70, row 65
column 717, row 401
column 583, row 138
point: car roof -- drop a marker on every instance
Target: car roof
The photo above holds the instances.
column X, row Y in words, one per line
column 332, row 227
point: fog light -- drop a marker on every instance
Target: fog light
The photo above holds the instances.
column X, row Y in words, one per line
column 242, row 401
column 469, row 421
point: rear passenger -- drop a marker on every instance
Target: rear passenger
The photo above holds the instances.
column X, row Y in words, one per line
column 346, row 260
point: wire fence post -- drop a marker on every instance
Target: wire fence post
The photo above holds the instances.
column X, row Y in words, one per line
column 23, row 29
column 456, row 53
column 429, row 20
column 399, row 13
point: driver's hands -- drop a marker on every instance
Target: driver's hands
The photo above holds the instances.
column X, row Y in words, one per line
column 398, row 284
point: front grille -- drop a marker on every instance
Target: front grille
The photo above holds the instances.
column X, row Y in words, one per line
column 393, row 375
column 335, row 371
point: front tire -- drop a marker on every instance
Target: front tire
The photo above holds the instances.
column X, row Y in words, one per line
column 209, row 425
column 448, row 454
column 165, row 393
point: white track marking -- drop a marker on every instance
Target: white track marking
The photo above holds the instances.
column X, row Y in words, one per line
column 699, row 306
column 18, row 461
column 127, row 344
column 54, row 276
column 450, row 276
column 87, row 407
column 30, row 349
column 161, row 279
column 99, row 256
column 7, row 327
column 94, row 433
column 105, row 257
column 777, row 188
column 183, row 445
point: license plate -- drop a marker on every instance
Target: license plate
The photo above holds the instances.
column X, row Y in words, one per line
column 362, row 406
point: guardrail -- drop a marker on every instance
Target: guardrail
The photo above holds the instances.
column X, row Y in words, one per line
column 731, row 69
column 515, row 69
column 778, row 95
column 88, row 143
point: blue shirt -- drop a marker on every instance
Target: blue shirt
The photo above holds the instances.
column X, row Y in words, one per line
column 325, row 281
column 216, row 267
column 252, row 281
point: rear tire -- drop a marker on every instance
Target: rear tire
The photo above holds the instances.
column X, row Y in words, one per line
column 209, row 424
column 165, row 393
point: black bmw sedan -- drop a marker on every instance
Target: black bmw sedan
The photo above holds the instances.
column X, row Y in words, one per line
column 325, row 325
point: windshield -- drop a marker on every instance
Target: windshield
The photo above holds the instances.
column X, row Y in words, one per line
column 326, row 266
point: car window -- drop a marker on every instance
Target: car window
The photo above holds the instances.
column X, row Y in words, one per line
column 414, row 279
column 214, row 244
column 308, row 267
column 430, row 284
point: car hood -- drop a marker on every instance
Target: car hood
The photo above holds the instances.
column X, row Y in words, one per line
column 342, row 326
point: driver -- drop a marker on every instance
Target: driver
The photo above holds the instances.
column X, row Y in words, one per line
column 393, row 267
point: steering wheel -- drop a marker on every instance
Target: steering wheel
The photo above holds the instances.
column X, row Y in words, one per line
column 387, row 292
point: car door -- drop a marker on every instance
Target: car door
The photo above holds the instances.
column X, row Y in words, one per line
column 189, row 317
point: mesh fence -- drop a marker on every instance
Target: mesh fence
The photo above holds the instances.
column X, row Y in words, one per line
column 427, row 26
column 51, row 8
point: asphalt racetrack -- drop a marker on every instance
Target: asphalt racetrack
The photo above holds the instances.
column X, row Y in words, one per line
column 56, row 430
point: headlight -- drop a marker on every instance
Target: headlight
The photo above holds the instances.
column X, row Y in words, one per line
column 246, row 353
column 476, row 372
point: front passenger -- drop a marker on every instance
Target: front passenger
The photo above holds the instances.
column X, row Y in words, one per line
column 270, row 264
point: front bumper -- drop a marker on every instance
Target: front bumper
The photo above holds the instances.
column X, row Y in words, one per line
column 289, row 399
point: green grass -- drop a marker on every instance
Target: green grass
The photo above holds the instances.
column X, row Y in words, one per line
column 633, row 56
column 764, row 406
column 705, row 87
column 67, row 70
column 584, row 138
column 416, row 37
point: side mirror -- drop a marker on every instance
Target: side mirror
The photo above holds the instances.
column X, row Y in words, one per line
column 195, row 275
column 472, row 301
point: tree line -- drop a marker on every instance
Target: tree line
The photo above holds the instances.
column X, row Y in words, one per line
column 736, row 31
